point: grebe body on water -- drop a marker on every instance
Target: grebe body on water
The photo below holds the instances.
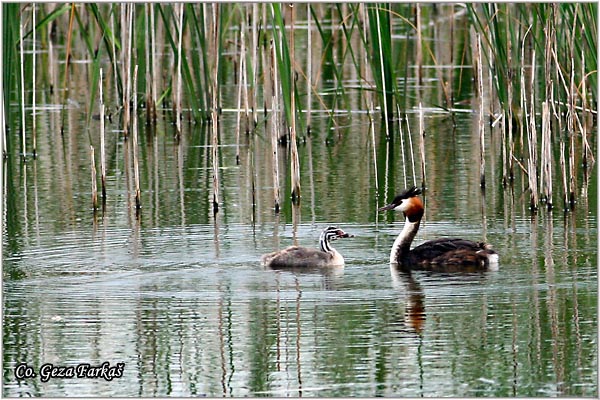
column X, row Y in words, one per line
column 444, row 254
column 302, row 257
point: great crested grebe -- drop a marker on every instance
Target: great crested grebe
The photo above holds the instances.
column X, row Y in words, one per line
column 302, row 257
column 444, row 254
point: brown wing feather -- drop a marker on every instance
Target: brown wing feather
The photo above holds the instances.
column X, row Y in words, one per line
column 449, row 254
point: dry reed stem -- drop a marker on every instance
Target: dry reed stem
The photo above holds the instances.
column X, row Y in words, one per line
column 412, row 153
column 385, row 106
column 114, row 55
column 102, row 152
column 422, row 145
column 239, row 102
column 33, row 121
column 419, row 44
column 136, row 167
column 94, row 185
column 67, row 64
column 22, row 54
column 275, row 127
column 481, row 124
column 563, row 170
column 309, row 69
column 295, row 167
column 546, row 157
column 178, row 104
column 215, row 107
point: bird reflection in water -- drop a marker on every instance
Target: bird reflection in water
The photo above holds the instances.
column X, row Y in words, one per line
column 414, row 311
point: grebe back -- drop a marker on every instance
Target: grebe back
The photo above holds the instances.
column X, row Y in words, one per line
column 444, row 254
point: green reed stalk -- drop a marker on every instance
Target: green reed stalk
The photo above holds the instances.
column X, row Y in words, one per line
column 381, row 59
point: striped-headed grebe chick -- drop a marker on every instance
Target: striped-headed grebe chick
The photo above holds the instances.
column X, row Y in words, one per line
column 444, row 254
column 302, row 257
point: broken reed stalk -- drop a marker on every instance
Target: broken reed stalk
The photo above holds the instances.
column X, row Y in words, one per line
column 33, row 122
column 422, row 145
column 94, row 185
column 136, row 167
column 177, row 104
column 481, row 124
column 102, row 153
column 275, row 127
column 295, row 167
column 23, row 143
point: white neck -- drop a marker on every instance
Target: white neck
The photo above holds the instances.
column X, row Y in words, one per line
column 402, row 243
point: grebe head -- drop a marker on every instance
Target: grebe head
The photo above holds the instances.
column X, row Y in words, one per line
column 333, row 233
column 408, row 203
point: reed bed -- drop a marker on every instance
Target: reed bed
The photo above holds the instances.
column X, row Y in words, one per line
column 540, row 61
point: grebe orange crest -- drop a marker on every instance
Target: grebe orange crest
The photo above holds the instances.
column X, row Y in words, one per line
column 302, row 257
column 444, row 254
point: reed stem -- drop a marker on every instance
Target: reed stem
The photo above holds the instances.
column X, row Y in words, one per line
column 94, row 184
column 102, row 151
column 422, row 146
column 33, row 53
column 136, row 167
column 215, row 107
column 295, row 167
column 177, row 106
column 275, row 128
column 22, row 53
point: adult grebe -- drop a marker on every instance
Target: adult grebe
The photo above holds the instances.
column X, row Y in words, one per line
column 444, row 254
column 302, row 257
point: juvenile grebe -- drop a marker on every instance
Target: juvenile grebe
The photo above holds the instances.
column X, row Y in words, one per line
column 444, row 254
column 302, row 257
